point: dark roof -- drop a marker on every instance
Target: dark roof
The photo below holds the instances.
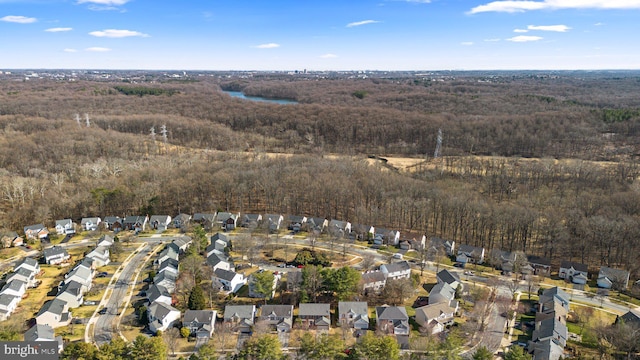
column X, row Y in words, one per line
column 277, row 310
column 168, row 263
column 199, row 316
column 219, row 236
column 225, row 274
column 55, row 306
column 314, row 309
column 72, row 287
column 156, row 291
column 204, row 217
column 578, row 266
column 448, row 276
column 538, row 260
column 631, row 317
column 160, row 310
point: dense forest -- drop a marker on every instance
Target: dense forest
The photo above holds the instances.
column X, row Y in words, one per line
column 545, row 164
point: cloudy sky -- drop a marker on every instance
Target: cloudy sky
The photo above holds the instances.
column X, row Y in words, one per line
column 320, row 35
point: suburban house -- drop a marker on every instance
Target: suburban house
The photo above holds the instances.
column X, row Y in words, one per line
column 106, row 241
column 316, row 224
column 8, row 304
column 354, row 314
column 89, row 264
column 339, row 228
column 200, row 324
column 167, row 253
column 169, row 265
column 90, row 223
column 55, row 255
column 240, row 318
column 226, row 220
column 315, row 316
column 160, row 222
column 158, row 293
column 230, row 281
column 630, row 317
column 550, row 332
column 24, row 275
column 541, row 265
column 162, row 316
column 37, row 231
column 251, row 220
column 295, row 222
column 182, row 243
column 609, row 278
column 181, row 220
column 114, row 223
column 470, row 254
column 71, row 292
column 30, row 264
column 218, row 260
column 502, row 260
column 65, row 227
column 54, row 313
column 450, row 277
column 204, row 220
column 82, row 275
column 363, row 232
column 278, row 316
column 166, row 279
column 373, row 281
column 441, row 246
column 10, row 238
column 274, row 221
column 443, row 293
column 219, row 242
column 252, row 290
column 392, row 320
column 100, row 256
column 397, row 270
column 15, row 288
column 135, row 223
column 43, row 333
column 435, row 317
column 389, row 237
column 569, row 270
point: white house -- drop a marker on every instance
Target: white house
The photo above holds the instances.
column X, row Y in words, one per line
column 54, row 313
column 22, row 274
column 90, row 223
column 158, row 293
column 160, row 222
column 55, row 255
column 162, row 316
column 106, row 241
column 30, row 264
column 569, row 271
column 470, row 254
column 65, row 227
column 443, row 293
column 82, row 275
column 373, row 281
column 229, row 281
column 14, row 288
column 100, row 256
column 613, row 278
column 8, row 304
column 397, row 270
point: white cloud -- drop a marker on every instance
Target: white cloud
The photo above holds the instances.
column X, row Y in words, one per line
column 267, row 46
column 467, row 43
column 329, row 56
column 512, row 6
column 360, row 23
column 524, row 38
column 97, row 49
column 104, row 2
column 556, row 28
column 598, row 24
column 520, row 30
column 417, row 1
column 113, row 33
column 59, row 29
column 70, row 50
column 18, row 19
column 491, row 40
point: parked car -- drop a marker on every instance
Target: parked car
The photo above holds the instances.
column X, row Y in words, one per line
column 103, row 311
column 89, row 302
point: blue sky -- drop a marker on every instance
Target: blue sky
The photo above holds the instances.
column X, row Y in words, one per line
column 320, row 35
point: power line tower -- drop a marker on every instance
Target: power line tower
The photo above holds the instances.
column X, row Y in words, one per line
column 78, row 119
column 86, row 119
column 163, row 131
column 436, row 154
column 153, row 133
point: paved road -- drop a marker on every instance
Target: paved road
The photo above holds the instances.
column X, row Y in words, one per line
column 105, row 326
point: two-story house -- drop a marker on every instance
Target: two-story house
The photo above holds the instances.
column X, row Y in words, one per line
column 65, row 227
column 435, row 317
column 162, row 316
column 278, row 316
column 55, row 255
column 90, row 223
column 240, row 318
column 354, row 314
column 314, row 316
column 54, row 313
column 397, row 270
column 230, row 281
column 392, row 320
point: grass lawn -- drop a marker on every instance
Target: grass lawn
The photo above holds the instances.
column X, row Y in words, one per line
column 9, row 252
column 71, row 332
column 84, row 312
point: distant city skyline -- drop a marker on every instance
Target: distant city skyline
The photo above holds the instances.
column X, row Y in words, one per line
column 284, row 35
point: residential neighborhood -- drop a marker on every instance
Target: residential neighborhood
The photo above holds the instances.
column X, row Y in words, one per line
column 238, row 304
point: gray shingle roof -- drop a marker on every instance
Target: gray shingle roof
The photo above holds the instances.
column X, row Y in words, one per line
column 575, row 265
column 239, row 311
column 391, row 313
column 39, row 332
column 225, row 274
column 448, row 276
column 314, row 309
column 357, row 307
column 199, row 316
column 55, row 306
column 54, row 251
column 398, row 266
column 160, row 310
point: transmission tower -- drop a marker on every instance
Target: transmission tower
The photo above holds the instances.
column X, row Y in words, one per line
column 86, row 119
column 78, row 119
column 436, row 153
column 163, row 131
column 153, row 133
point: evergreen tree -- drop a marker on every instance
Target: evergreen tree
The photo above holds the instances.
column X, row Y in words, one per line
column 196, row 299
